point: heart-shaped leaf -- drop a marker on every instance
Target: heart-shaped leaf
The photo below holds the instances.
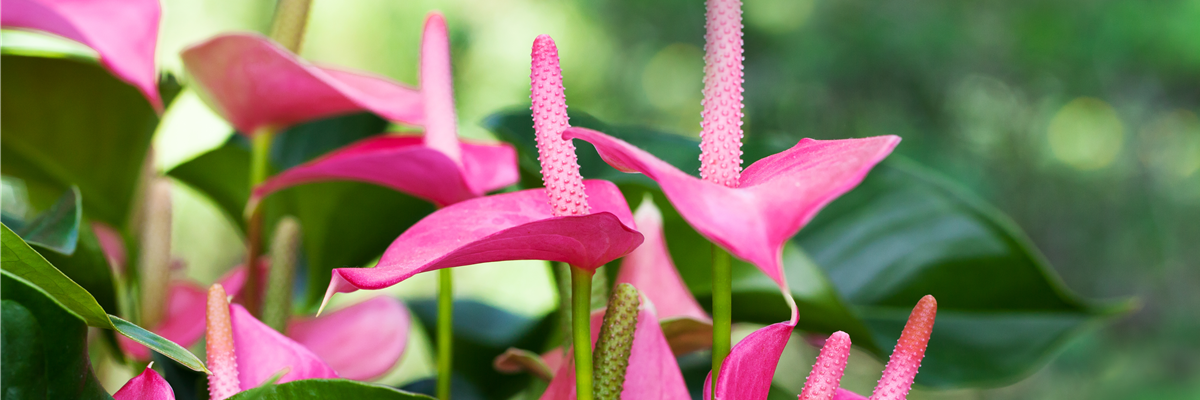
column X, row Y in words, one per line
column 326, row 389
column 62, row 121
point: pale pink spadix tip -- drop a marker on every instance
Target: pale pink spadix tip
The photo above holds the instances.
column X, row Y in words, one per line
column 560, row 168
column 437, row 89
column 902, row 367
column 827, row 373
column 223, row 382
column 721, row 124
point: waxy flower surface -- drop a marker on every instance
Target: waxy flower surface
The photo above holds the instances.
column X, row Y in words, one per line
column 123, row 32
column 436, row 166
column 148, row 385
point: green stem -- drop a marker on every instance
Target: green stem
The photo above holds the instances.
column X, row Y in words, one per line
column 445, row 332
column 581, row 331
column 259, row 157
column 277, row 301
column 722, row 299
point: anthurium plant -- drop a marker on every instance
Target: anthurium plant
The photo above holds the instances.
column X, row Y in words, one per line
column 331, row 210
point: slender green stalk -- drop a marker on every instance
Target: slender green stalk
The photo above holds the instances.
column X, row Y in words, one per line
column 445, row 332
column 722, row 299
column 581, row 331
column 285, row 246
column 287, row 28
column 259, row 156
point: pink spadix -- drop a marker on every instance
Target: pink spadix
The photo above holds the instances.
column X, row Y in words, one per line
column 902, row 367
column 721, row 127
column 826, row 374
column 218, row 348
column 560, row 167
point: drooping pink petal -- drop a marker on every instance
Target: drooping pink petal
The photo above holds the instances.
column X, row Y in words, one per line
column 407, row 165
column 219, row 347
column 902, row 367
column 750, row 365
column 111, row 244
column 437, row 89
column 255, row 83
column 778, row 194
column 360, row 342
column 826, row 375
column 146, row 386
column 653, row 373
column 262, row 353
column 509, row 226
column 184, row 319
column 560, row 168
column 721, row 125
column 123, row 32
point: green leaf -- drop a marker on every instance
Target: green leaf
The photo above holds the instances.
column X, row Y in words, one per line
column 346, row 224
column 57, row 228
column 69, row 122
column 326, row 389
column 905, row 233
column 158, row 343
column 45, row 347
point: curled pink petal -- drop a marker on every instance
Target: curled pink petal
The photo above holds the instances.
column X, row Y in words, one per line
column 777, row 196
column 262, row 353
column 254, row 83
column 146, row 386
column 509, row 226
column 826, row 375
column 360, row 342
column 560, row 168
column 437, row 89
column 650, row 269
column 123, row 32
column 406, row 164
column 902, row 367
column 721, row 125
column 747, row 371
column 653, row 373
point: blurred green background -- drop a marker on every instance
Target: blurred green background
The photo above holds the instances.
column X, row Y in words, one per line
column 1076, row 118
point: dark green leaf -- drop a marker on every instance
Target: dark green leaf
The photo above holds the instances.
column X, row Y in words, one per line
column 57, row 228
column 69, row 122
column 28, row 266
column 905, row 233
column 326, row 389
column 45, row 347
column 158, row 343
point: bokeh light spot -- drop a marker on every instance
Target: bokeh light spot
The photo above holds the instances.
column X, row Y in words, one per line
column 1086, row 134
column 1170, row 144
column 778, row 16
column 674, row 79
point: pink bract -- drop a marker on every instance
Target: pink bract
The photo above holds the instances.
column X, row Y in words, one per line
column 255, row 83
column 776, row 197
column 406, row 164
column 360, row 342
column 148, row 385
column 653, row 373
column 262, row 353
column 509, row 226
column 123, row 32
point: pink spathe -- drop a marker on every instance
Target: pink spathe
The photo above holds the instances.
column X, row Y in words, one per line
column 437, row 89
column 650, row 269
column 560, row 167
column 360, row 342
column 123, row 32
column 148, row 385
column 721, row 119
column 509, row 226
column 263, row 353
column 255, row 83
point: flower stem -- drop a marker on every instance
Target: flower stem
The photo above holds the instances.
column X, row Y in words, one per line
column 277, row 298
column 722, row 299
column 445, row 332
column 581, row 331
column 287, row 28
column 259, row 157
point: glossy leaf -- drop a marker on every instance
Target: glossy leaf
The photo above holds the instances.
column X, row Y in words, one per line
column 158, row 344
column 45, row 344
column 57, row 228
column 326, row 389
column 61, row 120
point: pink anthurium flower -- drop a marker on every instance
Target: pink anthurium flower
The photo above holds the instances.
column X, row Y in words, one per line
column 255, row 83
column 750, row 213
column 746, row 373
column 582, row 223
column 361, row 342
column 123, row 32
column 436, row 166
column 243, row 353
column 653, row 373
column 148, row 385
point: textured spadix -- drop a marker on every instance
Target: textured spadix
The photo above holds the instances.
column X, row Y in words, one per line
column 509, row 226
column 219, row 348
column 560, row 168
column 826, row 374
column 123, row 32
column 613, row 347
column 255, row 83
column 721, row 125
column 902, row 367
